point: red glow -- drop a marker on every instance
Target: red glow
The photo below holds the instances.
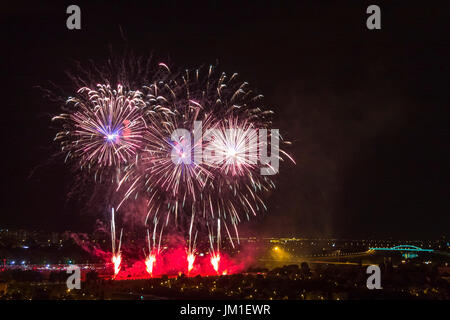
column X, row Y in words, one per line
column 175, row 261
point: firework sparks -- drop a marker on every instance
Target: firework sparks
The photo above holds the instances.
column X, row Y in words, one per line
column 215, row 259
column 116, row 260
column 104, row 128
column 116, row 254
column 154, row 249
column 215, row 254
column 191, row 246
column 149, row 263
column 190, row 260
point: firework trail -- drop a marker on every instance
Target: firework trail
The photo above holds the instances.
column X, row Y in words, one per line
column 154, row 248
column 151, row 258
column 116, row 253
column 215, row 254
column 191, row 250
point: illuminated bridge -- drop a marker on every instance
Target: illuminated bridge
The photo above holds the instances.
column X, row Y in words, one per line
column 403, row 248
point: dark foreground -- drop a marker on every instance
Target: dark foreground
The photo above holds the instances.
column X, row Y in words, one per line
column 326, row 282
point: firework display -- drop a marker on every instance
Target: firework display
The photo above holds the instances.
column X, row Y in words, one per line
column 105, row 127
column 194, row 145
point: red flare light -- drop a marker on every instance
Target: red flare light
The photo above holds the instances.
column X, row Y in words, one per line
column 215, row 259
column 116, row 260
column 190, row 259
column 149, row 263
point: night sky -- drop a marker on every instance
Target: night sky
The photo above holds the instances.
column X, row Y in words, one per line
column 367, row 111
